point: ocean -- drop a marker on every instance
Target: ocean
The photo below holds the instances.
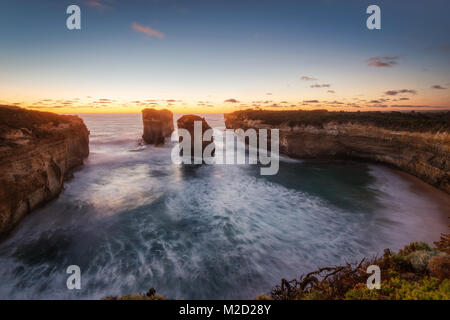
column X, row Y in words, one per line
column 133, row 220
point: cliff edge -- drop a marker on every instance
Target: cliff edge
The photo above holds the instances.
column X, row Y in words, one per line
column 38, row 151
column 417, row 143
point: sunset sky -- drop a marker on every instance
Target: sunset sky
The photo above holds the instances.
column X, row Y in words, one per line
column 220, row 56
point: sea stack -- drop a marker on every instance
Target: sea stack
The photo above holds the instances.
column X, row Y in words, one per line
column 188, row 122
column 158, row 124
column 38, row 151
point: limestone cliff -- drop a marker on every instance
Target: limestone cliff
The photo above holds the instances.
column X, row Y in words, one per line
column 424, row 152
column 38, row 151
column 187, row 122
column 158, row 124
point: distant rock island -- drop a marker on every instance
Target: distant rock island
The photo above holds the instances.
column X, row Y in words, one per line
column 187, row 122
column 415, row 142
column 38, row 151
column 158, row 124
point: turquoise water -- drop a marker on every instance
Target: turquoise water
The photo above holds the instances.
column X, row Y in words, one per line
column 132, row 220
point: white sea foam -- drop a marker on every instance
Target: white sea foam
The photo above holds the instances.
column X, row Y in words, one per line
column 133, row 220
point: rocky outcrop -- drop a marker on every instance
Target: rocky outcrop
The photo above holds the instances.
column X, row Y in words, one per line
column 38, row 151
column 188, row 122
column 425, row 153
column 158, row 124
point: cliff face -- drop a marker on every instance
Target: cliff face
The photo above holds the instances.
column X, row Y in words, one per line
column 158, row 124
column 187, row 122
column 422, row 154
column 38, row 150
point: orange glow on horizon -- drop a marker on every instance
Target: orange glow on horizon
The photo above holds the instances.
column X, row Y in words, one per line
column 116, row 105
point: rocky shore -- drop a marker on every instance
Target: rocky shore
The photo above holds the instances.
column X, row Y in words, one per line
column 416, row 143
column 38, row 152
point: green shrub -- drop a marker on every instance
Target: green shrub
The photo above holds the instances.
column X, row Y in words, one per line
column 419, row 260
column 407, row 121
column 400, row 289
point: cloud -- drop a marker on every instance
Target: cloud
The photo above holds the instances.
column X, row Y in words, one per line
column 97, row 4
column 310, row 101
column 382, row 61
column 46, row 107
column 320, row 86
column 445, row 47
column 419, row 107
column 402, row 99
column 306, row 78
column 231, row 101
column 331, row 91
column 436, row 86
column 395, row 92
column 408, row 91
column 147, row 30
column 103, row 101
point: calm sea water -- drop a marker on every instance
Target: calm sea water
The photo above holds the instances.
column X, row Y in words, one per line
column 132, row 220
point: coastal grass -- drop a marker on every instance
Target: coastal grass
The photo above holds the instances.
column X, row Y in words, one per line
column 416, row 272
column 394, row 120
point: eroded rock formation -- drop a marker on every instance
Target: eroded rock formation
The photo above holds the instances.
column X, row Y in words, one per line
column 158, row 124
column 188, row 122
column 424, row 153
column 38, row 151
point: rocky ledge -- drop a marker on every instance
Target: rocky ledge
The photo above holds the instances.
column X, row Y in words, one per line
column 38, row 151
column 158, row 124
column 417, row 143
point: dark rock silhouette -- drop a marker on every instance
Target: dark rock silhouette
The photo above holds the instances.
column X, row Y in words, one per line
column 158, row 124
column 187, row 122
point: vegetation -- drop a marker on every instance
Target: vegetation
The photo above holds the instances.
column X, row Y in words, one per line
column 415, row 272
column 407, row 121
column 150, row 295
column 18, row 118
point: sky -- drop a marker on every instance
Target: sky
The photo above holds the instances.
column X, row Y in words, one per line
column 221, row 56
